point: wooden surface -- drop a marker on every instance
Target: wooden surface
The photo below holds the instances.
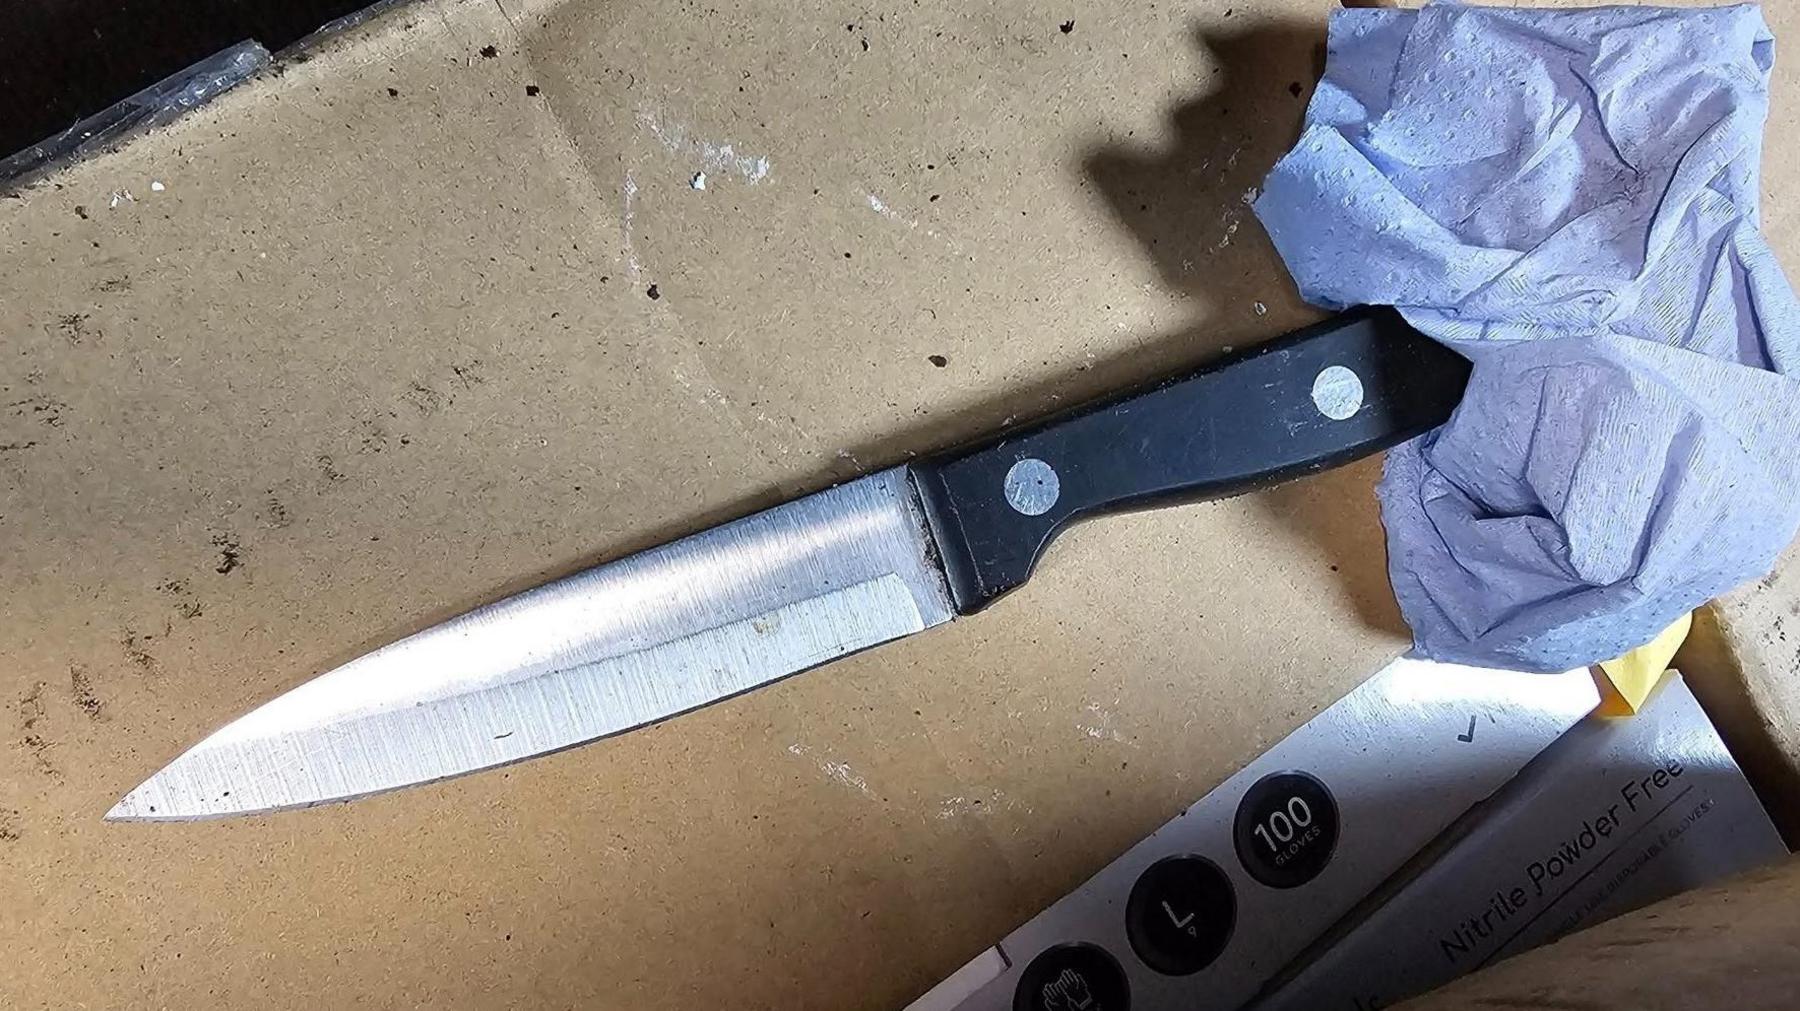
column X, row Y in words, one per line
column 1734, row 946
column 1744, row 653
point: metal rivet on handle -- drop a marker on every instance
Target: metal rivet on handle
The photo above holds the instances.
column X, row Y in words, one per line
column 1032, row 486
column 1337, row 392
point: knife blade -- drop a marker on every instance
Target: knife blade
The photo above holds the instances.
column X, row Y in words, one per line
column 730, row 609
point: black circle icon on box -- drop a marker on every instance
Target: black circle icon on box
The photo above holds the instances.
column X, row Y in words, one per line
column 1073, row 977
column 1180, row 914
column 1286, row 829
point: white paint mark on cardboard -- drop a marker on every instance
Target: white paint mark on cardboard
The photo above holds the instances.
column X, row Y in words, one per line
column 880, row 207
column 706, row 394
column 979, row 805
column 838, row 772
column 1098, row 726
column 714, row 155
column 842, row 772
column 626, row 218
column 1231, row 219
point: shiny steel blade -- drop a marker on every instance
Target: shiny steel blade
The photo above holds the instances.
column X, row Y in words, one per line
column 600, row 652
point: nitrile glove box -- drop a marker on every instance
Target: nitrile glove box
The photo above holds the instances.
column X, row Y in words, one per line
column 1437, row 824
column 1619, row 813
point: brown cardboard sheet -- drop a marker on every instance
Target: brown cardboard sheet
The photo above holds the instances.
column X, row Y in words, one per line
column 371, row 339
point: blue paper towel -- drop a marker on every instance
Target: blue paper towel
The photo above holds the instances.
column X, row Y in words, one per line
column 1569, row 198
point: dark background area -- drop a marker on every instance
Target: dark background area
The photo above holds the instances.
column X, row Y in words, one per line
column 64, row 60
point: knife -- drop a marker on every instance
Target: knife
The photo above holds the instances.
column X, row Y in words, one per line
column 730, row 609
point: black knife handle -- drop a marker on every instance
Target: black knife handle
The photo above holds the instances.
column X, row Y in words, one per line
column 1319, row 397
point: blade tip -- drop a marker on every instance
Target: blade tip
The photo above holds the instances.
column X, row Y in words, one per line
column 132, row 807
column 148, row 801
column 177, row 792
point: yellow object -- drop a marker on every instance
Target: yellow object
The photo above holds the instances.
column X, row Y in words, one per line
column 1637, row 672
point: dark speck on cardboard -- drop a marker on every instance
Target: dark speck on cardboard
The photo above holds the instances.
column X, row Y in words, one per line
column 81, row 690
column 39, row 745
column 140, row 657
column 275, row 512
column 934, row 198
column 531, row 90
column 865, row 45
column 73, row 327
column 81, row 212
column 1295, row 89
column 424, row 399
column 489, row 52
column 654, row 292
column 939, row 360
column 1067, row 26
column 185, row 604
column 231, row 554
column 393, row 92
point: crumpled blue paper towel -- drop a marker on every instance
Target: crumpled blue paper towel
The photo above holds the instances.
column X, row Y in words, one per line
column 1569, row 198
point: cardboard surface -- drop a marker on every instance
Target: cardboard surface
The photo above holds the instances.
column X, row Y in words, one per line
column 368, row 341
